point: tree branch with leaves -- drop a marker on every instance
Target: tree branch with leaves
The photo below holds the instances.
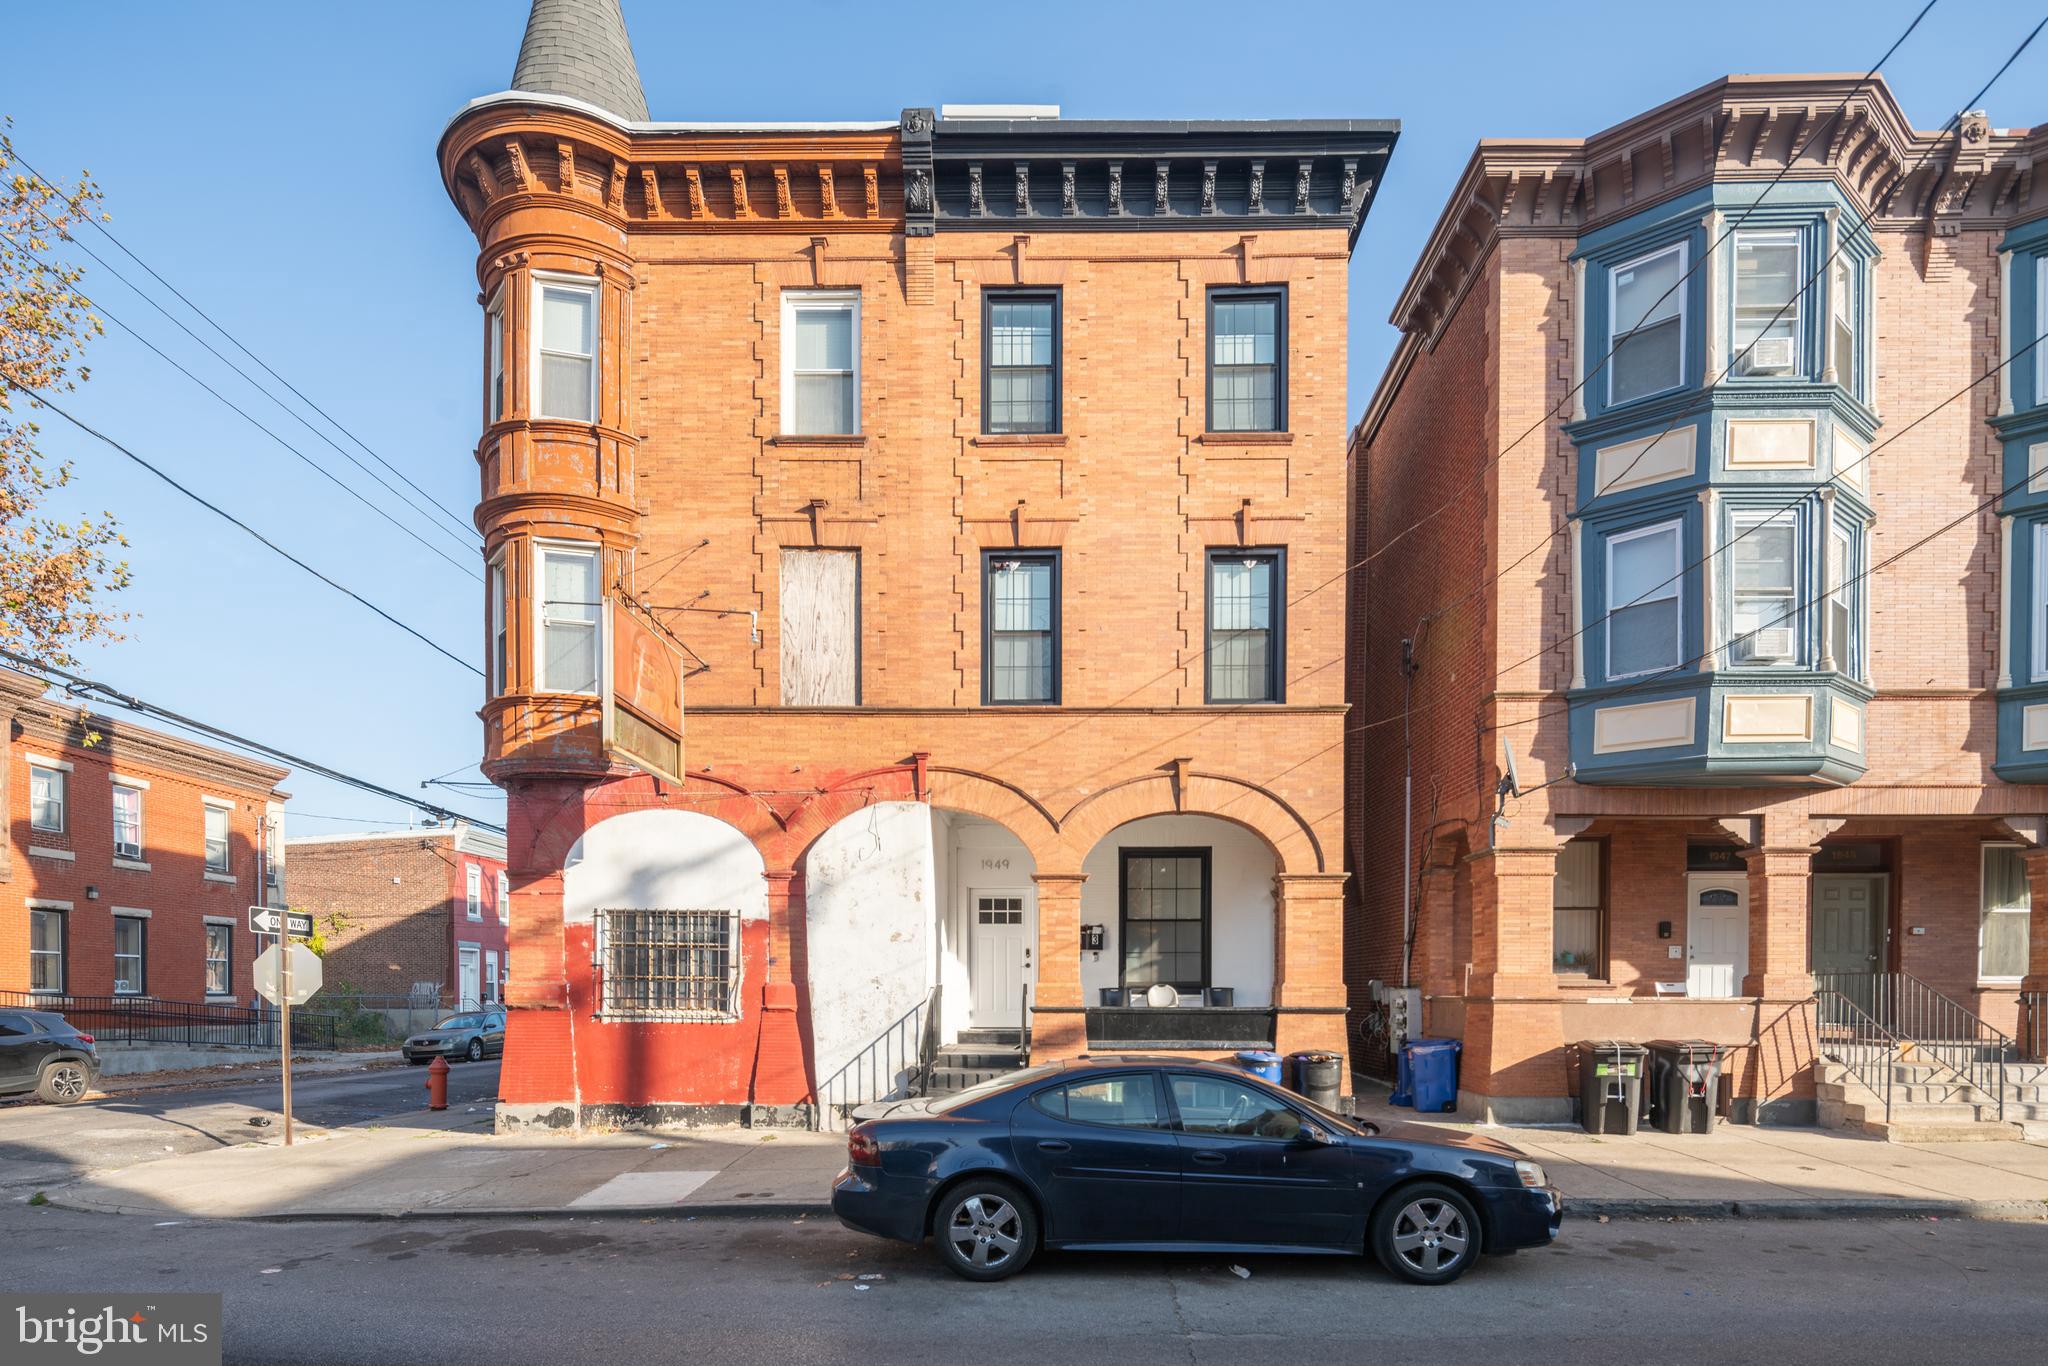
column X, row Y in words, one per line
column 56, row 575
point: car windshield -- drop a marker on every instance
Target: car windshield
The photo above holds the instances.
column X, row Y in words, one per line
column 983, row 1090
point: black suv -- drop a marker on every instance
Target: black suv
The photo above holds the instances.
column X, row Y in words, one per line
column 39, row 1052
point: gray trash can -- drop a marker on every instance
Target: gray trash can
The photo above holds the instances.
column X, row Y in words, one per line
column 1611, row 1085
column 1318, row 1076
column 1685, row 1079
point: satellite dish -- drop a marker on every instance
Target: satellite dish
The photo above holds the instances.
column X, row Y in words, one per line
column 1511, row 780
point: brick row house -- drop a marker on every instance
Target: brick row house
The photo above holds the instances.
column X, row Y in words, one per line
column 130, row 857
column 1632, row 489
column 413, row 914
column 985, row 473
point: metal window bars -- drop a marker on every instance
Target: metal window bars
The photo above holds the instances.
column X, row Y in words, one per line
column 669, row 964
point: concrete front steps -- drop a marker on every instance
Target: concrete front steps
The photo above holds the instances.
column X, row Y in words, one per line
column 1931, row 1104
column 980, row 1055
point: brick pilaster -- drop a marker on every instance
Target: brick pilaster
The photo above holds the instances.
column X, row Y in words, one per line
column 2036, row 861
column 1780, row 911
column 1058, row 953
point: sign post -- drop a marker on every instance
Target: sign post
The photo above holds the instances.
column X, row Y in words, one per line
column 287, row 974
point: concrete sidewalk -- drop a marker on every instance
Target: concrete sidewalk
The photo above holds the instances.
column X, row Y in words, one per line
column 309, row 1064
column 452, row 1166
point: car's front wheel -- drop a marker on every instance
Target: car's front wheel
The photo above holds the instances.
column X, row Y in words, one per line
column 62, row 1083
column 985, row 1230
column 475, row 1052
column 1428, row 1234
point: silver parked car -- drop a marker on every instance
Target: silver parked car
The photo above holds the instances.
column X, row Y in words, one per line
column 473, row 1034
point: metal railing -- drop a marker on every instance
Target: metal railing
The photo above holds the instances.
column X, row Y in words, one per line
column 1849, row 1036
column 149, row 1019
column 891, row 1066
column 2033, row 1040
column 928, row 1042
column 1931, row 1028
column 1024, row 1025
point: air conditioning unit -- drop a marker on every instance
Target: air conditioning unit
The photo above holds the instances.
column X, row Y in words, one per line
column 1772, row 643
column 1771, row 356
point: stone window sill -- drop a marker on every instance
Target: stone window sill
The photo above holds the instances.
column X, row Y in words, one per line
column 1013, row 440
column 43, row 851
column 853, row 442
column 1246, row 438
column 133, row 865
column 228, row 878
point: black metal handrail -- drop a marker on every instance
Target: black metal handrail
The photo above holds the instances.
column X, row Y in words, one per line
column 1849, row 1036
column 1024, row 1025
column 152, row 1019
column 1933, row 1027
column 928, row 1042
column 889, row 1068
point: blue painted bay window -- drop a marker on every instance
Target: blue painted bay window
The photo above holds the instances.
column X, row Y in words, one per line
column 2022, row 428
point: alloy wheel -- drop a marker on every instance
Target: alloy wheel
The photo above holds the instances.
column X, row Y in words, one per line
column 985, row 1231
column 1430, row 1235
column 68, row 1082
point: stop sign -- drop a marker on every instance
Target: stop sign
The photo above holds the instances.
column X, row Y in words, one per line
column 269, row 973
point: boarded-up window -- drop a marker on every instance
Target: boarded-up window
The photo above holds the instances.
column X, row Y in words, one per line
column 820, row 628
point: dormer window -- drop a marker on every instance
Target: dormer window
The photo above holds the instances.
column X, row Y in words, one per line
column 1646, row 305
column 1767, row 288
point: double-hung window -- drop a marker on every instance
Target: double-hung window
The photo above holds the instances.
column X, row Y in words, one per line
column 1767, row 288
column 1646, row 308
column 1843, row 317
column 499, row 608
column 216, row 835
column 504, row 898
column 1644, row 620
column 569, row 621
column 220, row 978
column 45, row 949
column 821, row 363
column 1576, row 909
column 473, row 904
column 1763, row 555
column 1247, row 360
column 2003, row 909
column 127, row 821
column 494, row 323
column 1021, row 340
column 1844, row 637
column 131, row 958
column 567, row 343
column 47, row 798
column 1245, row 626
column 1021, row 627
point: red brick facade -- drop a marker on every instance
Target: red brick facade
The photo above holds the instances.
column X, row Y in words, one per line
column 166, row 886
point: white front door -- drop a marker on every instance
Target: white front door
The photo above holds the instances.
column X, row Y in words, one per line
column 999, row 932
column 467, row 986
column 1717, row 935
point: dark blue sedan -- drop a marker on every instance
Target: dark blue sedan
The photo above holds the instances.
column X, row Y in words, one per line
column 1157, row 1154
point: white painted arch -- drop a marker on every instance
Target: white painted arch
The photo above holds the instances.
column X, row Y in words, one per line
column 669, row 860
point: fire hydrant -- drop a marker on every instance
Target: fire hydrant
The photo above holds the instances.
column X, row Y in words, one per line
column 437, row 1084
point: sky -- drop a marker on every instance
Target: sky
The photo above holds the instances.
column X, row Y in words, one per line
column 275, row 162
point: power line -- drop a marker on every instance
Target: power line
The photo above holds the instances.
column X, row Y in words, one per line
column 107, row 233
column 229, row 517
column 79, row 685
column 246, row 416
column 1791, row 160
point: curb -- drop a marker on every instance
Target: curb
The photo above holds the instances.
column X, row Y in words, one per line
column 1647, row 1208
column 711, row 1209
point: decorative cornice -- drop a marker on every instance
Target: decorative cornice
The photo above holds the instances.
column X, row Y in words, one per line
column 1738, row 129
column 132, row 748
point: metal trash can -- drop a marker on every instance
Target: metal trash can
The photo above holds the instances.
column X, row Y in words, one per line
column 1685, row 1079
column 1611, row 1085
column 1261, row 1063
column 1433, row 1071
column 1316, row 1075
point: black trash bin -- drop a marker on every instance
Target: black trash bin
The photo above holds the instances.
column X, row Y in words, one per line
column 1685, row 1079
column 1316, row 1075
column 1611, row 1085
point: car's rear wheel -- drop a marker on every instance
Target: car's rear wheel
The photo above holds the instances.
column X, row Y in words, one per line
column 476, row 1050
column 62, row 1083
column 1428, row 1234
column 985, row 1230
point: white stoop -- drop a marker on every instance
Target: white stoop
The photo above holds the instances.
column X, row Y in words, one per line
column 1931, row 1104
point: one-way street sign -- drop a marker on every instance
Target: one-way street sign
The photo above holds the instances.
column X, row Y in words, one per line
column 278, row 920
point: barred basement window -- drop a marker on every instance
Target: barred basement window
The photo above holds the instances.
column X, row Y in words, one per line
column 668, row 965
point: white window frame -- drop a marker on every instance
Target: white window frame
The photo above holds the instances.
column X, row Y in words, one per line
column 1984, row 857
column 2037, row 606
column 1675, row 526
column 497, row 341
column 541, row 551
column 498, row 591
column 1795, row 314
column 60, row 773
column 473, row 891
column 1742, row 521
column 487, row 979
column 795, row 301
column 543, row 280
column 1614, row 338
column 62, row 910
column 131, row 852
column 1848, row 595
column 1845, row 288
column 208, row 926
column 208, row 805
column 504, row 897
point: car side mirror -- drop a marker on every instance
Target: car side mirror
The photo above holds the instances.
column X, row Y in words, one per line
column 1313, row 1133
column 1369, row 1127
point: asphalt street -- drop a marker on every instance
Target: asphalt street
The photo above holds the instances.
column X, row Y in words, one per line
column 46, row 1145
column 786, row 1292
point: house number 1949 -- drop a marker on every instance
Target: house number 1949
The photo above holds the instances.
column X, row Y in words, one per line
column 995, row 863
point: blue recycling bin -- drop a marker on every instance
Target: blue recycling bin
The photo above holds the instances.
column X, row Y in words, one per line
column 1404, row 1079
column 1432, row 1069
column 1261, row 1063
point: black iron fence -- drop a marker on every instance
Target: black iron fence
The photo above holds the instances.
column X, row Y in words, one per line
column 2034, row 1026
column 149, row 1019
